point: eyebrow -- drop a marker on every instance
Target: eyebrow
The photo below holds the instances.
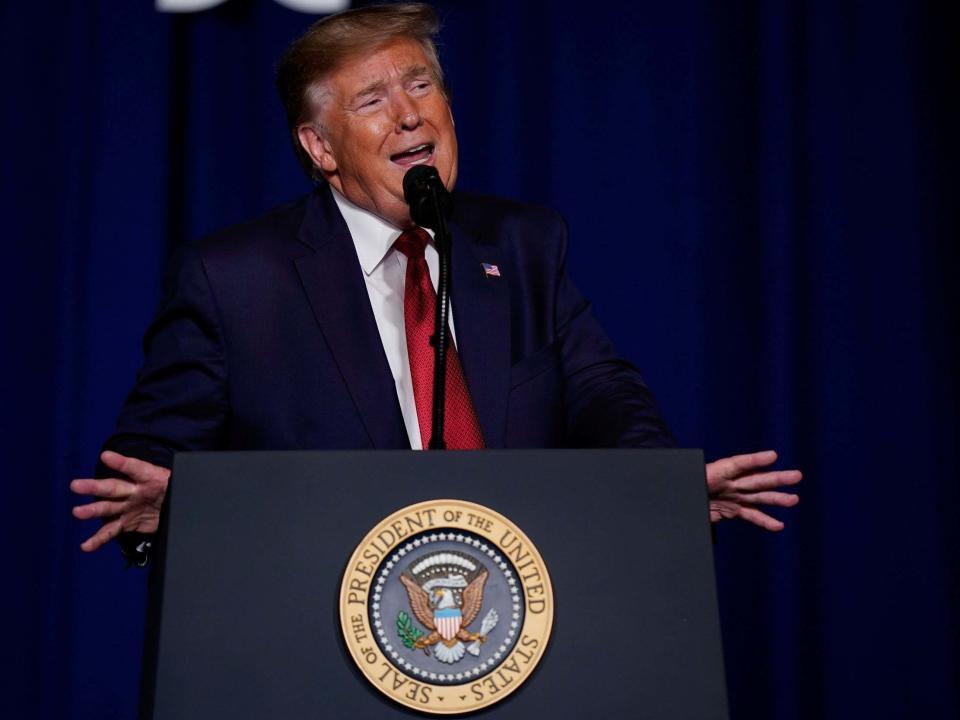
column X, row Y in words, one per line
column 411, row 73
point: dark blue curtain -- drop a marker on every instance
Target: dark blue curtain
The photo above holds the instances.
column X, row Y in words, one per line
column 762, row 197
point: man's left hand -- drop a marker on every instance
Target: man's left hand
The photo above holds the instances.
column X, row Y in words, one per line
column 738, row 484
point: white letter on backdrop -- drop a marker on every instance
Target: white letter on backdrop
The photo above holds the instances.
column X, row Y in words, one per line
column 309, row 6
column 316, row 6
column 186, row 6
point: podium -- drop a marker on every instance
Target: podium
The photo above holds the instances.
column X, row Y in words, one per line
column 245, row 622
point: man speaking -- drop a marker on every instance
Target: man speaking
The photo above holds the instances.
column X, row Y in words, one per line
column 309, row 328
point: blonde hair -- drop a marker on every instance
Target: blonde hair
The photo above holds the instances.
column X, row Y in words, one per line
column 332, row 41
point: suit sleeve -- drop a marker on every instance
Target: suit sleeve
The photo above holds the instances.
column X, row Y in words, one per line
column 179, row 400
column 608, row 403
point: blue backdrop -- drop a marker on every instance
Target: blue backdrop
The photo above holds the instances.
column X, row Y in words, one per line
column 762, row 198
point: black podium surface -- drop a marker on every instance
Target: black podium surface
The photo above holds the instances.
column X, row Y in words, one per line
column 244, row 606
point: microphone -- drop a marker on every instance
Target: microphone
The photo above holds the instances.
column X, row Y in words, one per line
column 430, row 204
column 429, row 201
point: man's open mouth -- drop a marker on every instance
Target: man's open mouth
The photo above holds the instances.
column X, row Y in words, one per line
column 417, row 155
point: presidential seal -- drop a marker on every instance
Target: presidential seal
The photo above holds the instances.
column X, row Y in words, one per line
column 446, row 606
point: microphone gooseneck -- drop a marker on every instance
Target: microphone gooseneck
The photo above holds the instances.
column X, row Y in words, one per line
column 430, row 204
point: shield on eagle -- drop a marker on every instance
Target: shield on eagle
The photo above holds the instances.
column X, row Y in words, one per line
column 447, row 622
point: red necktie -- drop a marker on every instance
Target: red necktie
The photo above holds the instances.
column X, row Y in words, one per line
column 461, row 428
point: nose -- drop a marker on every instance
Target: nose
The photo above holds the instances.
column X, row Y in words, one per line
column 408, row 114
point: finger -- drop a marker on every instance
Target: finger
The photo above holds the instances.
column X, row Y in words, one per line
column 766, row 481
column 132, row 467
column 103, row 508
column 779, row 499
column 105, row 488
column 723, row 510
column 761, row 519
column 750, row 461
column 737, row 465
column 104, row 535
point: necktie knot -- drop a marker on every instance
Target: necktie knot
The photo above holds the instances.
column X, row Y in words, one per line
column 412, row 243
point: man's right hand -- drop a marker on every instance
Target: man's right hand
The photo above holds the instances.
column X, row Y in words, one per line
column 126, row 504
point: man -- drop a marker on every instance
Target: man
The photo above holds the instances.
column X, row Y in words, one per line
column 301, row 330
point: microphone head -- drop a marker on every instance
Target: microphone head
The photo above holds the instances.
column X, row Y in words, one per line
column 427, row 197
column 417, row 181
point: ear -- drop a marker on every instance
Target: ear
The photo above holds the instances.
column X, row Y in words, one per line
column 317, row 147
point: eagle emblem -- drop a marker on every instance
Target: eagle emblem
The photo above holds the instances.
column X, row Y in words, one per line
column 445, row 590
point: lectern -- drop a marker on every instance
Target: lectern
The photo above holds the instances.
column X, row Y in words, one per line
column 398, row 584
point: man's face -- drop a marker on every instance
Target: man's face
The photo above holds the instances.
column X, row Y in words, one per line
column 382, row 114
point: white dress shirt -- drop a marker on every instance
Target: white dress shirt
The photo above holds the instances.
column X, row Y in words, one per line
column 384, row 273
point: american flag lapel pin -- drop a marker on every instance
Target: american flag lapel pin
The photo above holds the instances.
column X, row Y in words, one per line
column 490, row 270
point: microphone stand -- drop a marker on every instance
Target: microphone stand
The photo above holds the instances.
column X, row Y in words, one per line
column 440, row 339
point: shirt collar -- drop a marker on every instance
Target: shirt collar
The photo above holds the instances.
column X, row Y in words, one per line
column 372, row 235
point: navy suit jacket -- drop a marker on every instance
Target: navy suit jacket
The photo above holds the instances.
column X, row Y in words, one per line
column 266, row 340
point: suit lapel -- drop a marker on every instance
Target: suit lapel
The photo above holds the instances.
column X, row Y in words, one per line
column 333, row 280
column 481, row 308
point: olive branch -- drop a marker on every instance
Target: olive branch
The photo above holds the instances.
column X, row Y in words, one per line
column 409, row 633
